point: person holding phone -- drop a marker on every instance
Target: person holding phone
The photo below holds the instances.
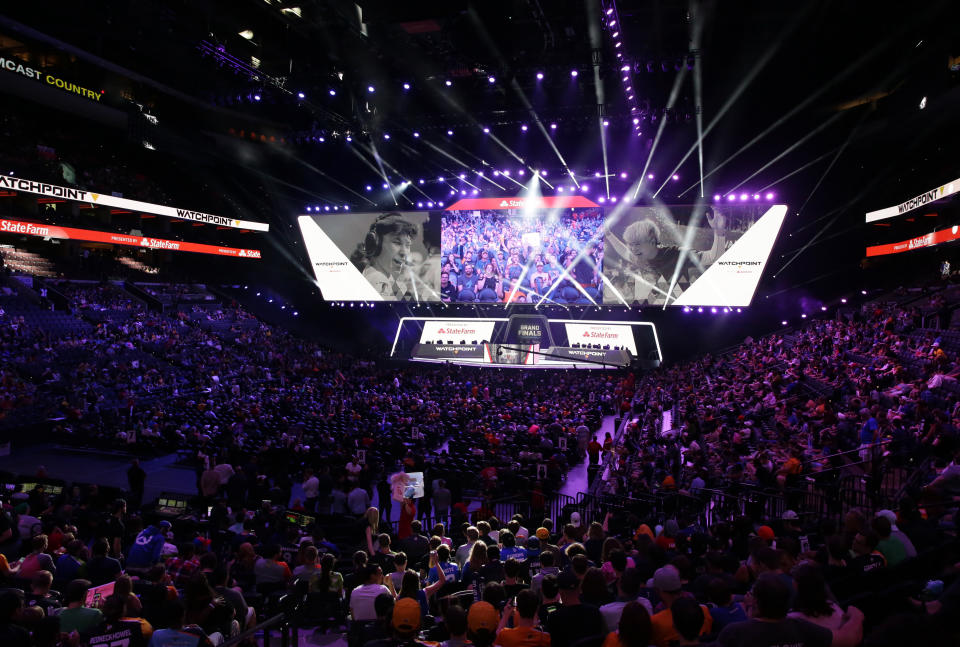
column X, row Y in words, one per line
column 522, row 609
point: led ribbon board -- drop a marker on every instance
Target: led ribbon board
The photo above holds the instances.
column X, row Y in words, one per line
column 90, row 235
column 941, row 191
column 79, row 195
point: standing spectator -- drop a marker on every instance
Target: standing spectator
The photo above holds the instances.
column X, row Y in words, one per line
column 362, row 597
column 358, row 500
column 633, row 629
column 441, row 500
column 101, row 568
column 311, row 491
column 667, row 583
column 573, row 620
column 524, row 632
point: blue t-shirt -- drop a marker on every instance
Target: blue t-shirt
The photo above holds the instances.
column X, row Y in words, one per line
column 515, row 552
column 451, row 573
column 146, row 548
column 174, row 638
column 868, row 431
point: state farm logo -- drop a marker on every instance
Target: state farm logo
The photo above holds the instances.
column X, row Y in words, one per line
column 599, row 334
column 512, row 203
column 922, row 241
column 456, row 331
column 156, row 243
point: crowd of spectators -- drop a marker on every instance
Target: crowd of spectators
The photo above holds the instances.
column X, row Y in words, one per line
column 493, row 257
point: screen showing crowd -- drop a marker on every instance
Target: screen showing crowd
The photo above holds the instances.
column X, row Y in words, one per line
column 657, row 255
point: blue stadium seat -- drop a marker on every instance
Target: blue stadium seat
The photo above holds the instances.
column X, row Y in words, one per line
column 466, row 295
column 570, row 294
column 487, row 296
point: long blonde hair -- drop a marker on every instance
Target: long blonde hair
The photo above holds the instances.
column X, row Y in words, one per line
column 373, row 518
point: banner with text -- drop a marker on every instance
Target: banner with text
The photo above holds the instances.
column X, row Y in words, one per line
column 473, row 331
column 919, row 242
column 604, row 334
column 925, row 198
column 80, row 195
column 90, row 235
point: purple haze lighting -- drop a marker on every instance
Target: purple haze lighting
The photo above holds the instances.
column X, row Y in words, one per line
column 601, row 200
column 496, row 172
column 743, row 197
column 731, row 197
column 506, row 172
column 521, row 172
column 453, row 192
column 613, row 199
column 756, row 196
column 475, row 192
column 584, row 188
column 713, row 311
column 699, row 309
column 543, row 172
column 636, row 121
column 463, row 193
column 597, row 174
column 463, row 176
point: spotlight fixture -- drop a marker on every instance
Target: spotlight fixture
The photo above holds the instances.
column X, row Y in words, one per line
column 491, row 80
column 333, row 92
column 371, row 89
column 523, row 127
column 256, row 97
column 574, row 73
column 486, row 130
column 448, row 83
column 675, row 177
column 301, row 95
column 406, row 86
column 553, row 126
column 450, row 133
column 416, row 134
column 650, row 176
column 539, row 76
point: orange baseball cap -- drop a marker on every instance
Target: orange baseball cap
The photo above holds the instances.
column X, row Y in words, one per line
column 482, row 615
column 543, row 534
column 406, row 615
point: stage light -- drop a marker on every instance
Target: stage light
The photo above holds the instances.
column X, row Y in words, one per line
column 543, row 172
column 686, row 308
column 716, row 197
column 346, row 207
column 450, row 133
column 486, row 130
column 539, row 76
column 439, row 204
column 731, row 198
column 371, row 89
column 559, row 189
column 336, row 207
column 617, row 44
column 416, row 134
column 386, row 186
column 448, row 83
column 463, row 176
column 491, row 79
column 496, row 173
column 369, row 188
column 923, row 103
column 699, row 309
column 597, row 174
column 429, row 204
column 623, row 175
column 863, row 292
column 440, row 179
column 406, row 86
column 713, row 311
column 739, row 310
column 326, row 208
column 606, row 123
column 574, row 73
column 611, row 23
column 675, row 177
column 322, row 139
column 619, row 54
column 453, row 192
column 523, row 127
column 463, row 193
column 843, row 300
column 553, row 126
column 625, row 79
column 803, row 316
column 625, row 68
column 506, row 172
column 256, row 97
column 386, row 135
column 258, row 294
column 784, row 322
column 521, row 172
column 301, row 95
column 421, row 181
column 823, row 308
column 609, row 11
column 650, row 176
column 349, row 138
column 770, row 196
column 584, row 188
column 309, row 209
column 613, row 199
column 246, row 34
column 743, row 196
column 475, row 192
column 615, row 34
column 419, row 204
column 756, row 196
column 602, row 200
column 333, row 92
column 296, row 314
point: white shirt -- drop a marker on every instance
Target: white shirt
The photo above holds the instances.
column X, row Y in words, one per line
column 361, row 601
column 311, row 487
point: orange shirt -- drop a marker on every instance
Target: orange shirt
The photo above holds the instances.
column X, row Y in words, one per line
column 522, row 637
column 663, row 631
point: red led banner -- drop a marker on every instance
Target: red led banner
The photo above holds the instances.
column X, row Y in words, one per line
column 69, row 233
column 549, row 202
column 928, row 240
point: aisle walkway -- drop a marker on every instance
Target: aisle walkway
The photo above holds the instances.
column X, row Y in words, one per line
column 576, row 480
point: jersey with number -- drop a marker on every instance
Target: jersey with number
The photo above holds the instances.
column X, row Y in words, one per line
column 118, row 634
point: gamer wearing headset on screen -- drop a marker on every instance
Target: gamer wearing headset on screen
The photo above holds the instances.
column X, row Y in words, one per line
column 649, row 266
column 384, row 255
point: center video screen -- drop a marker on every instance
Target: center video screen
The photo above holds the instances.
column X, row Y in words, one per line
column 653, row 255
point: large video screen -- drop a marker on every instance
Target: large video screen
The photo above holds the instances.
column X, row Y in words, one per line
column 514, row 251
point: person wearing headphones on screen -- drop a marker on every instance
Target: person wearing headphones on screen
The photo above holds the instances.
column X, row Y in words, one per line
column 652, row 265
column 384, row 255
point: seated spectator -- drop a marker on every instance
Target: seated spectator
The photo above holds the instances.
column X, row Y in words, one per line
column 892, row 549
column 40, row 595
column 404, row 624
column 148, row 546
column 482, row 623
column 11, row 633
column 866, row 556
column 174, row 632
column 669, row 587
column 455, row 622
column 769, row 624
column 524, row 632
column 270, row 569
column 100, row 568
column 723, row 610
column 628, row 590
column 633, row 629
column 362, row 597
column 77, row 617
column 309, row 566
column 38, row 559
column 688, row 620
column 573, row 620
column 512, row 584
